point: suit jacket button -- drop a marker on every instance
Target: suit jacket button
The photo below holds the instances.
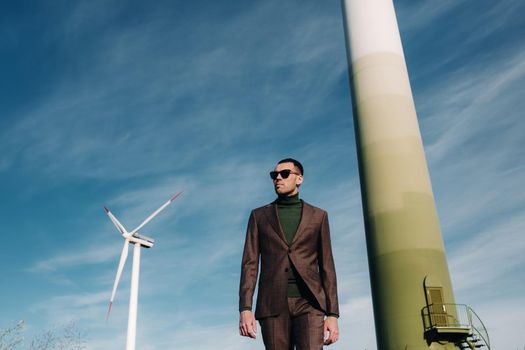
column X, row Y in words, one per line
column 286, row 270
column 289, row 250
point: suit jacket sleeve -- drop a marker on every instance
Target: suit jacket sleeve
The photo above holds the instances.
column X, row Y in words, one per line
column 250, row 265
column 327, row 269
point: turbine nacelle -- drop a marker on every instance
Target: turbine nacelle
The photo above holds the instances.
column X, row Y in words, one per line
column 144, row 241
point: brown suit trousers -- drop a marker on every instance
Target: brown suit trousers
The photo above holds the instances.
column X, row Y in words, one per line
column 310, row 253
column 300, row 325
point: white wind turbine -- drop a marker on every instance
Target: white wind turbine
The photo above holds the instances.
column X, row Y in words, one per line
column 134, row 238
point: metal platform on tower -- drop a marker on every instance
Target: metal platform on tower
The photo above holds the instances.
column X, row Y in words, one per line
column 455, row 323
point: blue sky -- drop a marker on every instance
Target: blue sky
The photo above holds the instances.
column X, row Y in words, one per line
column 124, row 103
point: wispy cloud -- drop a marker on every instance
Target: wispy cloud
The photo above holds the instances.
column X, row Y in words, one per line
column 471, row 98
column 83, row 308
column 423, row 13
column 137, row 107
column 94, row 255
column 477, row 261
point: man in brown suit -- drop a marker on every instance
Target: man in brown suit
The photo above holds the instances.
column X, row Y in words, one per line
column 297, row 298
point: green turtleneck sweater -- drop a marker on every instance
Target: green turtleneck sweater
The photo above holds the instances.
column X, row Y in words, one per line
column 289, row 210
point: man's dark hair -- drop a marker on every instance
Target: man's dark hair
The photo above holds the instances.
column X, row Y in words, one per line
column 296, row 163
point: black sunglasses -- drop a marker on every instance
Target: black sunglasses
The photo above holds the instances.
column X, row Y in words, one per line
column 284, row 173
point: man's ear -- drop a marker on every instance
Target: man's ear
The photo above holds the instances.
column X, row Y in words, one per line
column 299, row 180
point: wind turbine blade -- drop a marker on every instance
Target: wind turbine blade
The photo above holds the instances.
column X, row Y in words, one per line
column 155, row 213
column 123, row 257
column 115, row 222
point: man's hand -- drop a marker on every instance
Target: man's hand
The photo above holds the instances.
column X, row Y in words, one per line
column 248, row 324
column 331, row 330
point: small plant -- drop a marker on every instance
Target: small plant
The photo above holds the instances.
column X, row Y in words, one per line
column 11, row 336
column 65, row 337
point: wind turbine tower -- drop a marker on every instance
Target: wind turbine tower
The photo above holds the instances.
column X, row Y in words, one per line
column 413, row 300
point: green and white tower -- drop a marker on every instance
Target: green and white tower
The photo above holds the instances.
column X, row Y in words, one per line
column 414, row 306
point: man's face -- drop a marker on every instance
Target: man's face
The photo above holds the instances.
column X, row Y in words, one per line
column 290, row 185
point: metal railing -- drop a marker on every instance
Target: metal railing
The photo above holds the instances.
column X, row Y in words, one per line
column 454, row 316
column 478, row 327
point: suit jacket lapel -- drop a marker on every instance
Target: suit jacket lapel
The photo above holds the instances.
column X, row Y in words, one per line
column 273, row 219
column 306, row 216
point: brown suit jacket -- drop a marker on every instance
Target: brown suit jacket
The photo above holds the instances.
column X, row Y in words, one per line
column 310, row 253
